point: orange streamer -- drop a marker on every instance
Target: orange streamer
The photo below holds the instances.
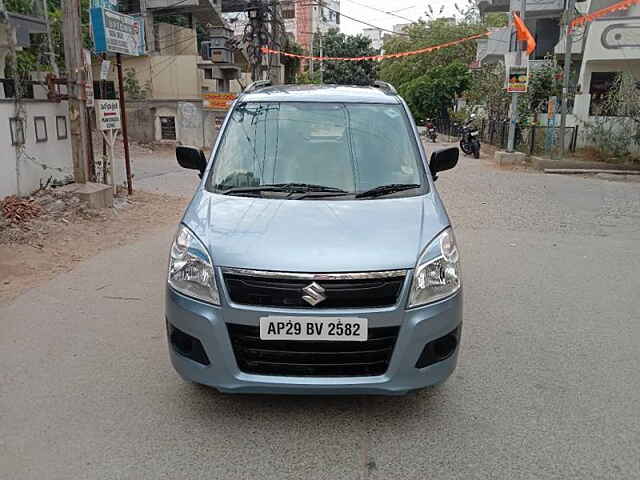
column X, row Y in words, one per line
column 378, row 57
column 623, row 5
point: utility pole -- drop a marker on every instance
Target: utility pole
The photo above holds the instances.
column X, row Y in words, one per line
column 313, row 40
column 568, row 52
column 123, row 116
column 514, row 96
column 276, row 43
column 52, row 55
column 321, row 60
column 321, row 31
column 71, row 29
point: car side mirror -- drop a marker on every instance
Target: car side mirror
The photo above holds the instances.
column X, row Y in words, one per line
column 192, row 158
column 443, row 159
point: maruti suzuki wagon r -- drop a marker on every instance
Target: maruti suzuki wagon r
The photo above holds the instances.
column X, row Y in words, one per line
column 316, row 256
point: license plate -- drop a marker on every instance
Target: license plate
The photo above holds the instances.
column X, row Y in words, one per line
column 475, row 134
column 343, row 329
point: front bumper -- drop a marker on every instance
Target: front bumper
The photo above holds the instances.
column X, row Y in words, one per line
column 418, row 327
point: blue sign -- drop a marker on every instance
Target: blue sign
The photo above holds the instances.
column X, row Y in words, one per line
column 109, row 4
column 115, row 32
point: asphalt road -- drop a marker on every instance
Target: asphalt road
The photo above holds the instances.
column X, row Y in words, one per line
column 547, row 387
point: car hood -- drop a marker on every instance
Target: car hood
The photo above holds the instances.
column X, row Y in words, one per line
column 315, row 235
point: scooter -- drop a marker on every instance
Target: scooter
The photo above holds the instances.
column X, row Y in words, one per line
column 470, row 141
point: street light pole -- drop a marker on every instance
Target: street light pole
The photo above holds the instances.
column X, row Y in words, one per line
column 514, row 96
column 568, row 53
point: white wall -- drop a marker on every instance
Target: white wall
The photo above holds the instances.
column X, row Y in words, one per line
column 22, row 173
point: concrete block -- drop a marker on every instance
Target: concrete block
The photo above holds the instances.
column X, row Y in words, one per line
column 510, row 158
column 96, row 195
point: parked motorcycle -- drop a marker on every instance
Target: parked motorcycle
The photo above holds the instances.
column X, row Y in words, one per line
column 470, row 141
column 431, row 132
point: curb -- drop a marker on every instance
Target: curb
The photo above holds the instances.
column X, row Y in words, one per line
column 546, row 163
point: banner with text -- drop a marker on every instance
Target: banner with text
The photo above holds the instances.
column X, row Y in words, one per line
column 218, row 101
column 115, row 32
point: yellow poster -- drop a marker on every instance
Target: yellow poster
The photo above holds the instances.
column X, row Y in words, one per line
column 518, row 80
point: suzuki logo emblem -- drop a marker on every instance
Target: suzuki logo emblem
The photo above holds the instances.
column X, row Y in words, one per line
column 314, row 294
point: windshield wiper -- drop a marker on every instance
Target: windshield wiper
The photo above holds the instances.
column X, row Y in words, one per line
column 290, row 188
column 308, row 187
column 258, row 189
column 386, row 190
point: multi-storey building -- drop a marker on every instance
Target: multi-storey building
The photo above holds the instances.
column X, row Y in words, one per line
column 600, row 50
column 179, row 70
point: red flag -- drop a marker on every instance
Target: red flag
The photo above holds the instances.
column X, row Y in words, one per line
column 523, row 34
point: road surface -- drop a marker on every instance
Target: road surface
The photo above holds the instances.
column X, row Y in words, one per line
column 548, row 384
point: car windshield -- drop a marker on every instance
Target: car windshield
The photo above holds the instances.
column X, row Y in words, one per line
column 346, row 146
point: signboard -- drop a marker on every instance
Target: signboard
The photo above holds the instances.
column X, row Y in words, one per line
column 88, row 86
column 518, row 79
column 115, row 32
column 105, row 67
column 108, row 114
column 218, row 101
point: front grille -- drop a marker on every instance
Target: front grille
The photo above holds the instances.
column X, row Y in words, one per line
column 312, row 359
column 340, row 290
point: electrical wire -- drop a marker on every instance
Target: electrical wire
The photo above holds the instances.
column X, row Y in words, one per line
column 381, row 11
column 318, row 4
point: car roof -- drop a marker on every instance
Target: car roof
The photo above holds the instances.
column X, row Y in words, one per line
column 321, row 93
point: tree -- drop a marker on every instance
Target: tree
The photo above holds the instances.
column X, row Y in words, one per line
column 469, row 12
column 337, row 44
column 291, row 64
column 432, row 81
column 132, row 87
column 487, row 88
column 615, row 136
column 433, row 94
column 421, row 34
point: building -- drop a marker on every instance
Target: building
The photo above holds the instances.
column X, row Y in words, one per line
column 180, row 69
column 376, row 36
column 302, row 20
column 34, row 135
column 600, row 50
column 305, row 19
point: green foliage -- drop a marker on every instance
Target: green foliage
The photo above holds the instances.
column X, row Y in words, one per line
column 615, row 135
column 544, row 82
column 24, row 7
column 424, row 34
column 132, row 87
column 305, row 78
column 487, row 88
column 55, row 20
column 337, row 44
column 496, row 20
column 433, row 94
column 291, row 64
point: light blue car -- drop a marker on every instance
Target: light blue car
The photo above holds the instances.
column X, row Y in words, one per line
column 316, row 256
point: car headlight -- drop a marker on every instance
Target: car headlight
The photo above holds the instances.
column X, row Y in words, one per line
column 437, row 273
column 191, row 269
